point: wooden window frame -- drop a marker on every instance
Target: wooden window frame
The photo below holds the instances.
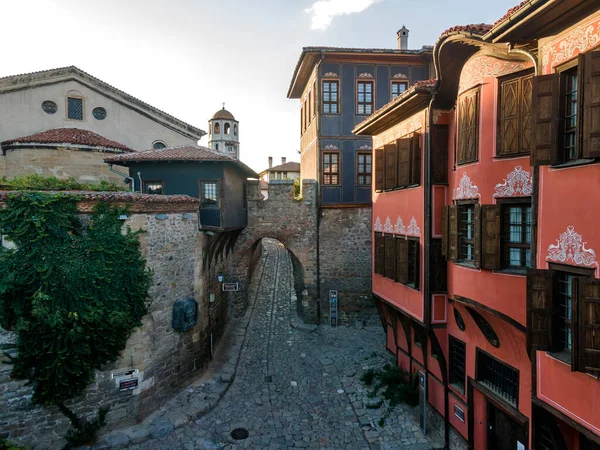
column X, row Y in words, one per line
column 379, row 254
column 145, row 183
column 467, row 159
column 511, row 398
column 504, row 245
column 329, row 102
column 365, row 81
column 301, row 119
column 364, row 174
column 315, row 98
column 521, row 76
column 389, row 259
column 414, row 263
column 78, row 97
column 461, row 239
column 458, row 384
column 219, row 184
column 398, row 82
column 331, row 173
column 564, row 71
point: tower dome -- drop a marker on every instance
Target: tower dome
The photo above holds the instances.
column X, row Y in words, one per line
column 224, row 133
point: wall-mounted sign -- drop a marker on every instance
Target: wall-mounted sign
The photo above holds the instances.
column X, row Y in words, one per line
column 126, row 373
column 333, row 308
column 127, row 384
column 230, row 287
column 459, row 412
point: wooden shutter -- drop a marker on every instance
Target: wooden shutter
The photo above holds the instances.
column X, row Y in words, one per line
column 539, row 309
column 439, row 154
column 415, row 159
column 452, row 233
column 401, row 260
column 390, row 257
column 509, row 117
column 379, row 169
column 468, row 126
column 390, row 166
column 490, row 236
column 445, row 212
column 379, row 253
column 477, row 235
column 586, row 341
column 403, row 146
column 591, row 105
column 417, row 268
column 546, row 100
column 526, row 126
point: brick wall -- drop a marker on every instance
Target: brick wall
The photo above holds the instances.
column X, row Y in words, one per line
column 166, row 360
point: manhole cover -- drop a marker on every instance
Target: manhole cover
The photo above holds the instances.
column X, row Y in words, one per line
column 239, row 434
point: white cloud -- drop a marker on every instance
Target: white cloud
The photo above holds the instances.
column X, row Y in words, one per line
column 323, row 11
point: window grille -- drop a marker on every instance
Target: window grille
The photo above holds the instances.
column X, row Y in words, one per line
column 457, row 359
column 498, row 377
column 75, row 108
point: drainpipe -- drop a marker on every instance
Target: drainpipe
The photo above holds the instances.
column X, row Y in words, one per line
column 127, row 177
column 140, row 177
column 530, row 55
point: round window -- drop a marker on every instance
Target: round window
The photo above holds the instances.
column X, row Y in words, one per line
column 158, row 145
column 49, row 106
column 99, row 113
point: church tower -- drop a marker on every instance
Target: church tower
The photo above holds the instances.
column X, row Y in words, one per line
column 224, row 133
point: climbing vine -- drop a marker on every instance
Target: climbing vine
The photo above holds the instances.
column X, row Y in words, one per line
column 72, row 289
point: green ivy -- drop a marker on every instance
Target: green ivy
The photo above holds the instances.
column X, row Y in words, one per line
column 35, row 181
column 73, row 291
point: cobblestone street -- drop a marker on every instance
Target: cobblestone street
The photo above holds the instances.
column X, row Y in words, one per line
column 294, row 387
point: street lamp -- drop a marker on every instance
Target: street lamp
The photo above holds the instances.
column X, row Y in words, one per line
column 220, row 277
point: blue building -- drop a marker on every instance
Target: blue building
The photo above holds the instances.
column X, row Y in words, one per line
column 218, row 180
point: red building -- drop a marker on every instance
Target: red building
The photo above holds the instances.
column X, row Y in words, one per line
column 485, row 268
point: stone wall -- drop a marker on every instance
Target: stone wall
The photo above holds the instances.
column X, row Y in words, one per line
column 166, row 360
column 345, row 264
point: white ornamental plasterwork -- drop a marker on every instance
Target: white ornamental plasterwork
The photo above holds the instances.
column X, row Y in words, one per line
column 465, row 189
column 571, row 248
column 330, row 75
column 331, row 147
column 413, row 229
column 479, row 68
column 399, row 228
column 377, row 226
column 518, row 182
column 579, row 39
column 365, row 75
column 400, row 76
column 365, row 147
column 387, row 227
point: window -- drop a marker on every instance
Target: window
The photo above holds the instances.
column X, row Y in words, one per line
column 457, row 359
column 330, row 97
column 413, row 263
column 466, row 233
column 498, row 377
column 398, row 165
column 468, row 129
column 460, row 322
column 402, row 260
column 99, row 113
column 49, row 106
column 217, row 128
column 516, row 235
column 485, row 327
column 154, row 187
column 314, row 90
column 379, row 253
column 398, row 87
column 306, row 120
column 331, row 168
column 209, row 195
column 364, row 169
column 419, row 335
column 217, row 147
column 563, row 307
column 227, row 128
column 235, row 130
column 571, row 95
column 301, row 120
column 364, row 97
column 514, row 112
column 75, row 108
column 157, row 145
column 310, row 106
column 390, row 256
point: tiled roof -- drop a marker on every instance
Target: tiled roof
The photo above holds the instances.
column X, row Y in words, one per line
column 511, row 11
column 223, row 114
column 70, row 136
column 424, row 49
column 180, row 153
column 478, row 28
column 287, row 167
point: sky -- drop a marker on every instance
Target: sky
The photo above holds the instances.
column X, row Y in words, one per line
column 187, row 57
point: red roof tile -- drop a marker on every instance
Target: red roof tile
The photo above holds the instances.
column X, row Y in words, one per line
column 510, row 12
column 477, row 28
column 290, row 166
column 71, row 136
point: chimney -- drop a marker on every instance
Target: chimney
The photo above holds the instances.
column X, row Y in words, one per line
column 283, row 159
column 402, row 38
column 270, row 162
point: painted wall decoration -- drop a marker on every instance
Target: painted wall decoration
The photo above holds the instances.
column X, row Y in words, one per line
column 378, row 227
column 365, row 75
column 387, row 227
column 400, row 76
column 518, row 182
column 465, row 189
column 365, row 147
column 567, row 46
column 330, row 75
column 331, row 147
column 570, row 247
column 413, row 229
column 480, row 67
column 399, row 228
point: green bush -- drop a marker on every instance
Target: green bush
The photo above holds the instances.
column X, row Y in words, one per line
column 72, row 292
column 37, row 182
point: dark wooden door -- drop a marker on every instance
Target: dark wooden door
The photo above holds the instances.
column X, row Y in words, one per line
column 503, row 432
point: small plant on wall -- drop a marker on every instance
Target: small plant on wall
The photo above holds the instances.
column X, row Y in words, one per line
column 72, row 291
